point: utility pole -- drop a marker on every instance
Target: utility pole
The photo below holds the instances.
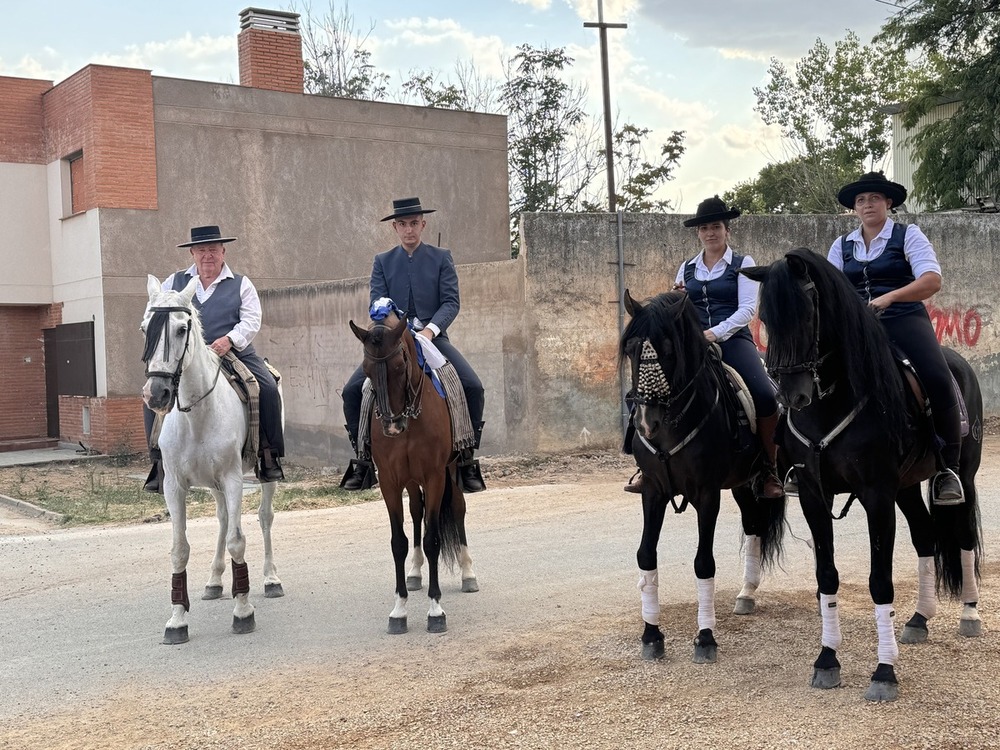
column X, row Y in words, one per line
column 609, row 151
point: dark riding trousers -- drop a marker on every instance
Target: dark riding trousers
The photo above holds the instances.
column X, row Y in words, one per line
column 717, row 300
column 910, row 329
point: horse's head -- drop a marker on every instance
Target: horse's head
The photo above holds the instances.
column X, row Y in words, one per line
column 665, row 348
column 170, row 324
column 387, row 362
column 790, row 310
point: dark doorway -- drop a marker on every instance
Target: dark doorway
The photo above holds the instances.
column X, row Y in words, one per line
column 70, row 367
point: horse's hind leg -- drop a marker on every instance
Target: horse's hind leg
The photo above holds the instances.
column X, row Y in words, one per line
column 434, row 492
column 213, row 589
column 921, row 527
column 745, row 600
column 414, row 579
column 470, row 583
column 265, row 515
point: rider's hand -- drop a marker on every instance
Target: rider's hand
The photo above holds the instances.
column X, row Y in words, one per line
column 427, row 333
column 221, row 346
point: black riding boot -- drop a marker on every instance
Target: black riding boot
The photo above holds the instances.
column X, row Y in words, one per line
column 469, row 473
column 154, row 482
column 269, row 469
column 360, row 474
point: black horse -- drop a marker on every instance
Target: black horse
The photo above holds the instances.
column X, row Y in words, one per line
column 689, row 441
column 855, row 425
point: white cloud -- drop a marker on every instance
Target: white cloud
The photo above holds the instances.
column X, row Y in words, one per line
column 536, row 4
column 442, row 42
column 204, row 57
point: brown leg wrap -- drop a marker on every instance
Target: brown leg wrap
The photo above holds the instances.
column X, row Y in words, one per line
column 179, row 590
column 241, row 578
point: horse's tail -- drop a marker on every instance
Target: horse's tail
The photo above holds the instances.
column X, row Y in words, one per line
column 772, row 531
column 448, row 529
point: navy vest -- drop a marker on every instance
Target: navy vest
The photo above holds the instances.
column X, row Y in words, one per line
column 889, row 271
column 219, row 313
column 717, row 299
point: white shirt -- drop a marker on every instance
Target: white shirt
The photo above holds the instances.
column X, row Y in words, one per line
column 746, row 290
column 916, row 247
column 250, row 314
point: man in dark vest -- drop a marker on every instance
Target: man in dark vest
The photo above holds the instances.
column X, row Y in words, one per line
column 229, row 308
column 421, row 280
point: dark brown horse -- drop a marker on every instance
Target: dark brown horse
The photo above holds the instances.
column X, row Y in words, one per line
column 413, row 450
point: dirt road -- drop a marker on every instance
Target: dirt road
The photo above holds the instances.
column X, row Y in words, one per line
column 545, row 655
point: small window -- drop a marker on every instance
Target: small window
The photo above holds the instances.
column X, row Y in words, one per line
column 74, row 192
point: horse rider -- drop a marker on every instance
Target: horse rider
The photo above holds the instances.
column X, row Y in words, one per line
column 894, row 269
column 230, row 313
column 725, row 302
column 422, row 280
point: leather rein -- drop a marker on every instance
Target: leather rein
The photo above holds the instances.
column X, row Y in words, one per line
column 413, row 396
column 175, row 376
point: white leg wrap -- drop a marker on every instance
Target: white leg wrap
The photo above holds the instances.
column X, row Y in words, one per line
column 926, row 596
column 649, row 591
column 888, row 649
column 830, row 614
column 751, row 562
column 970, row 586
column 706, row 603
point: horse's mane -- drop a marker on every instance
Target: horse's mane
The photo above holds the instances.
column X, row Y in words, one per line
column 848, row 327
column 157, row 320
column 661, row 319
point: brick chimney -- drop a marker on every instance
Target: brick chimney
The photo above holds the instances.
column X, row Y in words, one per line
column 270, row 50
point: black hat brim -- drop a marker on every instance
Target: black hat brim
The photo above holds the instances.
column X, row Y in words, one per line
column 414, row 212
column 696, row 221
column 891, row 190
column 207, row 242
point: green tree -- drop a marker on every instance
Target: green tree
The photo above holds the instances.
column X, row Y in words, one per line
column 832, row 111
column 335, row 61
column 470, row 90
column 958, row 158
column 801, row 185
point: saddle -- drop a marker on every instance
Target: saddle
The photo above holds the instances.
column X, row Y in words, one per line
column 917, row 389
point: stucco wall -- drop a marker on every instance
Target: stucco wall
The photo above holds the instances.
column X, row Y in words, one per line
column 542, row 331
column 25, row 240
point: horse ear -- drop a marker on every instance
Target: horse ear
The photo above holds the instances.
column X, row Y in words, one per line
column 361, row 333
column 632, row 307
column 756, row 273
column 152, row 285
column 188, row 292
column 797, row 266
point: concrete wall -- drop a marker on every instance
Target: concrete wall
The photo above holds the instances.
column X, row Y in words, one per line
column 542, row 331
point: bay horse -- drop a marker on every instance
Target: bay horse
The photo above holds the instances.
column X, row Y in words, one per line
column 688, row 443
column 854, row 426
column 201, row 440
column 413, row 450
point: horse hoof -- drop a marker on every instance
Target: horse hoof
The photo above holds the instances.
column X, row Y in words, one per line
column 744, row 606
column 824, row 679
column 397, row 625
column 882, row 692
column 652, row 651
column 705, row 654
column 413, row 583
column 911, row 634
column 970, row 628
column 470, row 585
column 437, row 623
column 212, row 592
column 173, row 636
column 273, row 590
column 243, row 625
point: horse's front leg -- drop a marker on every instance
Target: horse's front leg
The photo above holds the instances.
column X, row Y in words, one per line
column 882, row 532
column 826, row 668
column 654, row 507
column 705, row 647
column 922, row 535
column 414, row 578
column 437, row 621
column 393, row 496
column 265, row 516
column 236, row 543
column 213, row 589
column 176, row 630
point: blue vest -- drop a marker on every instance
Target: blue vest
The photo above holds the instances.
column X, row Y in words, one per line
column 717, row 299
column 888, row 272
column 219, row 313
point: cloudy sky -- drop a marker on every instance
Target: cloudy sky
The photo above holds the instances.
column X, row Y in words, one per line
column 680, row 65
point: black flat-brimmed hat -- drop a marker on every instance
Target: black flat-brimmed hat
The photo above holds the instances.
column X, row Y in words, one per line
column 873, row 182
column 204, row 235
column 712, row 209
column 407, row 207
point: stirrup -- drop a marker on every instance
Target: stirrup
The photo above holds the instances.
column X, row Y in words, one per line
column 470, row 476
column 791, row 483
column 359, row 468
column 635, row 482
column 950, row 497
column 154, row 482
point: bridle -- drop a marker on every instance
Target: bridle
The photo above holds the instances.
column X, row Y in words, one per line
column 413, row 395
column 813, row 360
column 175, row 376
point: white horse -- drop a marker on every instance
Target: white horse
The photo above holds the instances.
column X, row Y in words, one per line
column 201, row 441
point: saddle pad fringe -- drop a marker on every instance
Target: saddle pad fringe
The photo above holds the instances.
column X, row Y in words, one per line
column 743, row 394
column 251, row 444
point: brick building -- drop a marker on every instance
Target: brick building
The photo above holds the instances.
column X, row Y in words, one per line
column 104, row 173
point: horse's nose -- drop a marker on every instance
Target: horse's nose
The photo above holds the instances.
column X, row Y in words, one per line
column 159, row 393
column 647, row 424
